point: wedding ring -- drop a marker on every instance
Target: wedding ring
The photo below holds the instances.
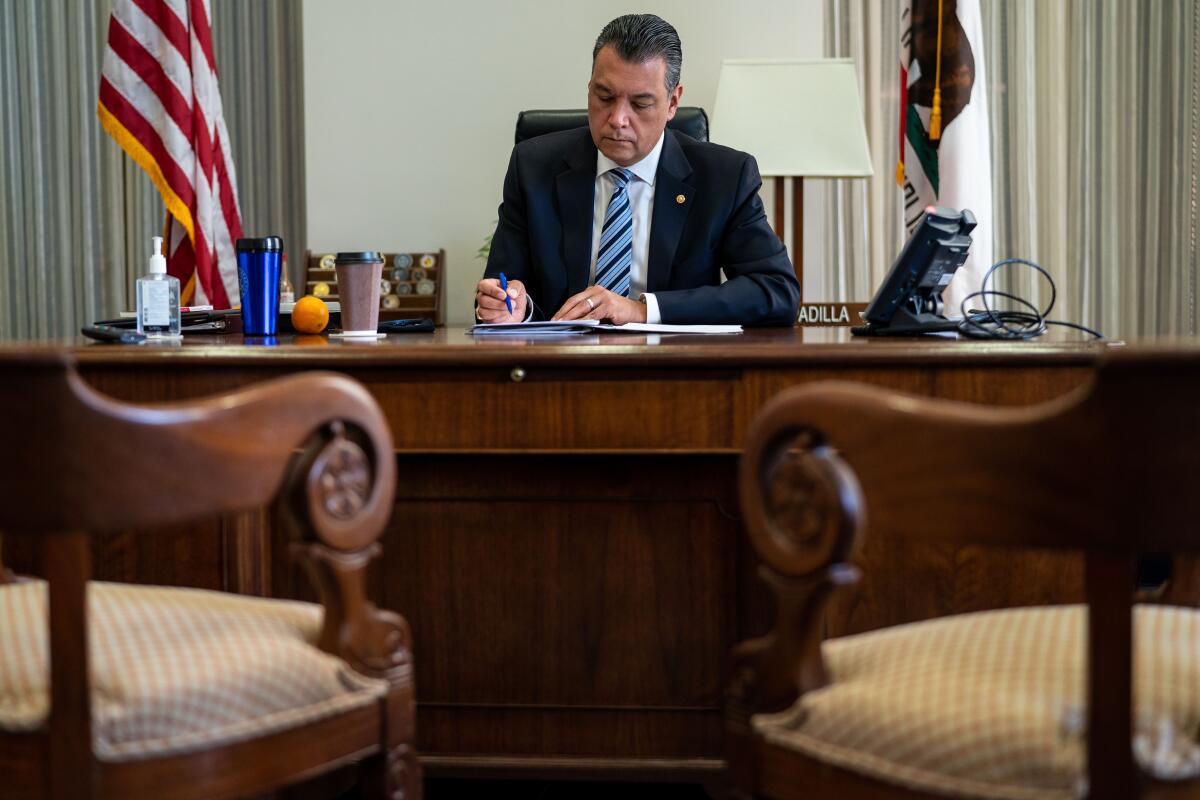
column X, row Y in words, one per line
column 591, row 305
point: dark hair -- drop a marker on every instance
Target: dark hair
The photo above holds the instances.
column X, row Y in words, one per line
column 641, row 37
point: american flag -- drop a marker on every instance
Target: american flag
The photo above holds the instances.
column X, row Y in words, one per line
column 159, row 99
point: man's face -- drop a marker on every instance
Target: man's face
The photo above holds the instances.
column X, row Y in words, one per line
column 628, row 105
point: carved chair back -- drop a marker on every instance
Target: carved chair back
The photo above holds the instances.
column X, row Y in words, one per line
column 1109, row 470
column 315, row 448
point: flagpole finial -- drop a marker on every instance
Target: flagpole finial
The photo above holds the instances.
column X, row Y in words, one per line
column 935, row 115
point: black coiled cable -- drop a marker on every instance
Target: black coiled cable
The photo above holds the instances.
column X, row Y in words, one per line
column 992, row 323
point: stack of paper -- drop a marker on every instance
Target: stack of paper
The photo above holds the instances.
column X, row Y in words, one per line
column 533, row 328
column 567, row 327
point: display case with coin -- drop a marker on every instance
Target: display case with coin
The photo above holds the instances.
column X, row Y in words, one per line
column 412, row 284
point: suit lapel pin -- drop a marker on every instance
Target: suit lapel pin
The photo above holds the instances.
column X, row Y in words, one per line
column 680, row 199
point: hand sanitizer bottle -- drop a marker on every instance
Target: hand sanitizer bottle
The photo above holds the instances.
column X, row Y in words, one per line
column 158, row 299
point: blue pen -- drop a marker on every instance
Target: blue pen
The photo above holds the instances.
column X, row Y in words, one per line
column 507, row 299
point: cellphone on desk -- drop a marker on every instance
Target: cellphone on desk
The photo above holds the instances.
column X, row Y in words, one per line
column 112, row 333
column 406, row 326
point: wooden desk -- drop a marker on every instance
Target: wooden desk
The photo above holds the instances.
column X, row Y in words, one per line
column 566, row 541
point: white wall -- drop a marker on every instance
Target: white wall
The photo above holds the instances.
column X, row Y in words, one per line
column 410, row 106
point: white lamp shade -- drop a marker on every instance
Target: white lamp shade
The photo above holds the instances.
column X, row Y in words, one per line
column 797, row 118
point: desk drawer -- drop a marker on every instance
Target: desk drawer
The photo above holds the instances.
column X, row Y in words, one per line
column 559, row 410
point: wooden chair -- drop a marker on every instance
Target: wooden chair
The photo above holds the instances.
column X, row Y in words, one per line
column 296, row 694
column 1039, row 702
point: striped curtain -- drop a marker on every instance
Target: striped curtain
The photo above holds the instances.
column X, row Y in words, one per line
column 76, row 216
column 864, row 220
column 63, row 210
column 1095, row 109
column 1095, row 120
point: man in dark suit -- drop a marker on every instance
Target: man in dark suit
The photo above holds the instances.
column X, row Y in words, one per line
column 629, row 222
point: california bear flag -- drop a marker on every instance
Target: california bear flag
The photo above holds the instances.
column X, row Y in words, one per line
column 945, row 144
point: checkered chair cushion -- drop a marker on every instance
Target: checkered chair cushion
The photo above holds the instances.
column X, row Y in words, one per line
column 992, row 705
column 178, row 670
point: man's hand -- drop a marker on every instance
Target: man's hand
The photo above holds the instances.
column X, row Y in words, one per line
column 597, row 303
column 489, row 301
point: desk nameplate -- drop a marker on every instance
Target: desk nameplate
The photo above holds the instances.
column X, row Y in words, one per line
column 831, row 314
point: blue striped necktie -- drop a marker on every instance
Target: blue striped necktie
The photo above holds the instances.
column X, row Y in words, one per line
column 615, row 255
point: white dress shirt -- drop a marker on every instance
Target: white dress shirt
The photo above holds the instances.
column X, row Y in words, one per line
column 641, row 202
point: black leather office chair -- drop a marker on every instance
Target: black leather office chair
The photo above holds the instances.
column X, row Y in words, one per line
column 688, row 119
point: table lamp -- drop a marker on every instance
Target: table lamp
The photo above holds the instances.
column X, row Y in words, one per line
column 798, row 118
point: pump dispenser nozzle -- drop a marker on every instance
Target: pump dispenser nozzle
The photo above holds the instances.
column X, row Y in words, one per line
column 158, row 262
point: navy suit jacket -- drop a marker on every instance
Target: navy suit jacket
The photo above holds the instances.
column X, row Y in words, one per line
column 544, row 234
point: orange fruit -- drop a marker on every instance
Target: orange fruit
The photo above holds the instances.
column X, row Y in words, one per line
column 310, row 315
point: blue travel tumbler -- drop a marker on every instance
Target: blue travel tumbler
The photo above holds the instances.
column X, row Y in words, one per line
column 259, row 264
